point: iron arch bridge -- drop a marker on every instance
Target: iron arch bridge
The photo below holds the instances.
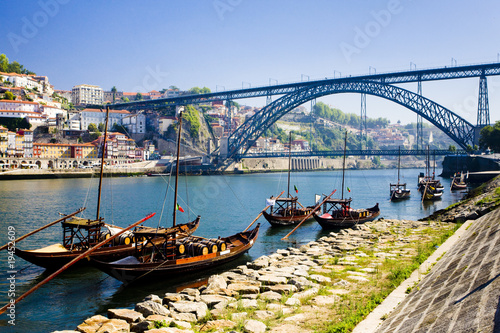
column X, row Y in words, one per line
column 457, row 128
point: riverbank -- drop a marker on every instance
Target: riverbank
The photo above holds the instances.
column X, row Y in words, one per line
column 302, row 289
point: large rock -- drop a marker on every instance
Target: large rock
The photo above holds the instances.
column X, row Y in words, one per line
column 272, row 279
column 254, row 326
column 212, row 300
column 284, row 289
column 92, row 324
column 198, row 308
column 151, row 308
column 261, row 262
column 154, row 298
column 215, row 283
column 114, row 326
column 219, row 325
column 320, row 278
column 244, row 288
column 130, row 316
column 171, row 297
column 271, row 296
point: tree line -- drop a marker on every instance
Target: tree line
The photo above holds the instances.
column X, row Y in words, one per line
column 12, row 67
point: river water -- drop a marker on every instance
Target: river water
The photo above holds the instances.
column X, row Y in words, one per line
column 227, row 204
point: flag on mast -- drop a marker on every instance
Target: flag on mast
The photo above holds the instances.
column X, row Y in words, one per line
column 179, row 208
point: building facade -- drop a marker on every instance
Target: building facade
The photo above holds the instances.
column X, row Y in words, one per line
column 85, row 94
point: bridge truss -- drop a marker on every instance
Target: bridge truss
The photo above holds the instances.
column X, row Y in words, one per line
column 457, row 128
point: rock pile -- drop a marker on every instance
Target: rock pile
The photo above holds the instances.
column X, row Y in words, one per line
column 284, row 288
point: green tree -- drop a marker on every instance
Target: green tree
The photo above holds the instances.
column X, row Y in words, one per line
column 4, row 63
column 138, row 96
column 192, row 116
column 100, row 127
column 9, row 96
column 452, row 148
column 113, row 90
column 174, row 88
column 15, row 67
column 490, row 137
column 92, row 127
column 125, row 99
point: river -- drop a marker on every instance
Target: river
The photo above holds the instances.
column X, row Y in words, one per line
column 227, row 204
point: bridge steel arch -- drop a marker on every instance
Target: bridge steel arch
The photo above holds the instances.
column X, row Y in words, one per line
column 457, row 128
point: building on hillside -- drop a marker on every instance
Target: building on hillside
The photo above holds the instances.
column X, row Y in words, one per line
column 46, row 87
column 155, row 94
column 118, row 146
column 27, row 136
column 86, row 94
column 52, row 111
column 22, row 80
column 108, row 96
column 96, row 117
column 3, row 141
column 135, row 123
column 63, row 150
column 165, row 122
column 19, row 105
column 34, row 118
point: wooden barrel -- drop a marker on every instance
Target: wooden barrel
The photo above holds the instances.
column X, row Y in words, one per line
column 124, row 239
column 221, row 245
column 212, row 247
column 180, row 248
column 199, row 249
column 105, row 234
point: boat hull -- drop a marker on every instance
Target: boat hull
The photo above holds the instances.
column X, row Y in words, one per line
column 55, row 259
column 130, row 272
column 346, row 221
column 400, row 195
column 282, row 221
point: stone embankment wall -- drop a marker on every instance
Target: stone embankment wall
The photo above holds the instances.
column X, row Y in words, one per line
column 473, row 163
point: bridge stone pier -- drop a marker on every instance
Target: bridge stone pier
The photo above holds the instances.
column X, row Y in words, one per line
column 305, row 163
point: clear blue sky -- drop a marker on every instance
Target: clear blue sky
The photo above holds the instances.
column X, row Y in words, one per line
column 145, row 45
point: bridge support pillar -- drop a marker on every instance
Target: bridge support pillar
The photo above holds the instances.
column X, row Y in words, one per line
column 420, row 127
column 362, row 122
column 483, row 108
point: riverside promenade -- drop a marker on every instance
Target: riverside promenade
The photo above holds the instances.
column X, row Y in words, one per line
column 460, row 294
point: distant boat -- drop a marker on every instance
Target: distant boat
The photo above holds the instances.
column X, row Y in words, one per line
column 431, row 188
column 459, row 183
column 399, row 191
column 284, row 211
column 337, row 213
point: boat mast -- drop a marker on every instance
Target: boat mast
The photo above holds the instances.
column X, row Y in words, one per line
column 177, row 166
column 289, row 160
column 343, row 164
column 103, row 151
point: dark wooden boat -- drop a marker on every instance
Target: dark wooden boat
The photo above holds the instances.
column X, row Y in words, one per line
column 337, row 213
column 284, row 211
column 458, row 182
column 431, row 188
column 81, row 234
column 399, row 191
column 177, row 256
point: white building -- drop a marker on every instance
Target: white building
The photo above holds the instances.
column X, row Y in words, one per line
column 96, row 117
column 52, row 112
column 87, row 94
column 135, row 123
column 19, row 106
column 28, row 143
column 165, row 122
column 22, row 80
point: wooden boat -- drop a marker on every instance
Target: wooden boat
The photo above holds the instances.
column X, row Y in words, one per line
column 399, row 191
column 458, row 183
column 431, row 188
column 337, row 213
column 81, row 234
column 175, row 256
column 188, row 255
column 284, row 211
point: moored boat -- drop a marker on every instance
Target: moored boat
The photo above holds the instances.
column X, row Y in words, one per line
column 399, row 191
column 337, row 213
column 188, row 255
column 284, row 211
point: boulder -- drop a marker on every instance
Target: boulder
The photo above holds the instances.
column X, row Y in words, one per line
column 151, row 308
column 244, row 288
column 263, row 314
column 320, row 278
column 154, row 298
column 130, row 316
column 254, row 326
column 198, row 308
column 92, row 324
column 212, row 300
column 171, row 297
column 114, row 326
column 216, row 282
column 272, row 279
column 218, row 325
column 261, row 262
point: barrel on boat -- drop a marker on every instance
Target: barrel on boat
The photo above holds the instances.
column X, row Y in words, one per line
column 221, row 245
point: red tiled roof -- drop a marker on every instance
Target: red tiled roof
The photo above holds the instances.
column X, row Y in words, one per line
column 22, row 102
